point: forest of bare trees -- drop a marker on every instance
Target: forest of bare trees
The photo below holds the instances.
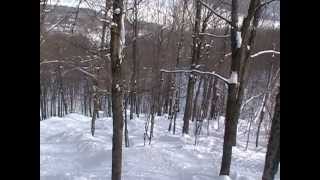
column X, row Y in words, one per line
column 194, row 59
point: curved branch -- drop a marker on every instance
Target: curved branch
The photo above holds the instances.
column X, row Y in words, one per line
column 249, row 100
column 258, row 53
column 197, row 71
column 264, row 52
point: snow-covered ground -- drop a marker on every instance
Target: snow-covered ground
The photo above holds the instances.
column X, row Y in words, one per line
column 69, row 152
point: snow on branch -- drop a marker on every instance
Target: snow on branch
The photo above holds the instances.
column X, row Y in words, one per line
column 213, row 35
column 228, row 54
column 264, row 52
column 197, row 71
column 53, row 61
column 48, row 62
column 80, row 70
column 258, row 53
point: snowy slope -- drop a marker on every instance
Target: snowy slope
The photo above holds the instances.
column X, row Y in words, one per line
column 69, row 152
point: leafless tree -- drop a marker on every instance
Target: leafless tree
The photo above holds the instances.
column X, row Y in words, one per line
column 273, row 150
column 116, row 45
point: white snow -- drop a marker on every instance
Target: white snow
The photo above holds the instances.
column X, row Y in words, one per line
column 238, row 39
column 113, row 24
column 233, row 78
column 224, row 177
column 122, row 38
column 68, row 151
column 104, row 20
column 117, row 11
column 118, row 87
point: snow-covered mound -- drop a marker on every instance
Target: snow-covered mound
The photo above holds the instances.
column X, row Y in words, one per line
column 69, row 152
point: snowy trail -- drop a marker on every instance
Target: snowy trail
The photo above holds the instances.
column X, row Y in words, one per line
column 69, row 152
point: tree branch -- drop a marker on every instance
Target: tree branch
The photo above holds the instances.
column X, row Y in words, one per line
column 208, row 7
column 264, row 4
column 197, row 71
column 250, row 99
column 264, row 52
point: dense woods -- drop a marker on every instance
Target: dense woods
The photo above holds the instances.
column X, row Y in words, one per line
column 194, row 59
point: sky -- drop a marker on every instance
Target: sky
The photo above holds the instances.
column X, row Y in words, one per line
column 148, row 10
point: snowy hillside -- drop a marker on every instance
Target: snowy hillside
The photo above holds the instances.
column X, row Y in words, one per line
column 69, row 152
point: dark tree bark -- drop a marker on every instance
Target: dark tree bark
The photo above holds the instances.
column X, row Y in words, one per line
column 232, row 95
column 158, row 93
column 126, row 133
column 238, row 70
column 195, row 107
column 109, row 105
column 117, row 92
column 152, row 112
column 195, row 60
column 62, row 94
column 133, row 92
column 213, row 100
column 95, row 106
column 273, row 150
column 176, row 109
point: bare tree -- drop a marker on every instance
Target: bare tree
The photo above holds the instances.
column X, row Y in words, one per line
column 133, row 91
column 116, row 43
column 273, row 150
column 194, row 62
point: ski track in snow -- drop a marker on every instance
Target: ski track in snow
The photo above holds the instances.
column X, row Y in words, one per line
column 69, row 152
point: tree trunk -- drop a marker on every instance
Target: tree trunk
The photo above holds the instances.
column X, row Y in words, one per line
column 117, row 37
column 213, row 100
column 126, row 133
column 109, row 105
column 159, row 98
column 249, row 130
column 195, row 59
column 41, row 104
column 273, row 150
column 230, row 124
column 238, row 71
column 175, row 112
column 152, row 121
column 133, row 92
column 195, row 109
column 95, row 107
